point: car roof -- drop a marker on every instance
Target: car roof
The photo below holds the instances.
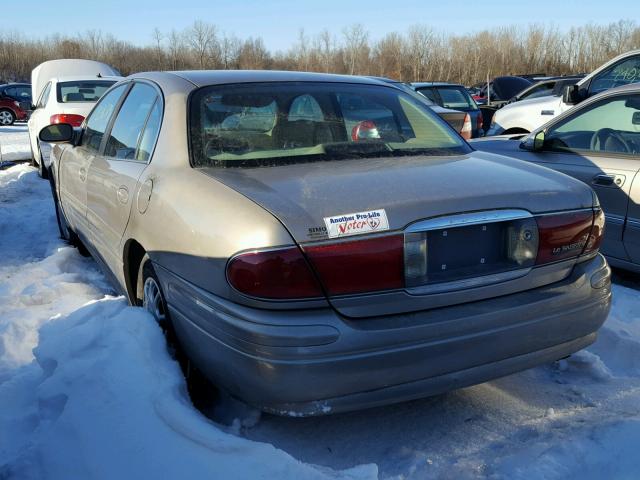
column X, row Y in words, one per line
column 201, row 78
column 435, row 84
column 15, row 84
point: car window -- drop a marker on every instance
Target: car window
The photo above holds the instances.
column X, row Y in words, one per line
column 430, row 94
column 267, row 124
column 129, row 123
column 82, row 91
column 623, row 73
column 456, row 98
column 44, row 96
column 99, row 118
column 23, row 93
column 541, row 90
column 150, row 134
column 610, row 125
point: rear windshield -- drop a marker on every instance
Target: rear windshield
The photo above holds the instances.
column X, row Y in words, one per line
column 82, row 91
column 456, row 98
column 276, row 123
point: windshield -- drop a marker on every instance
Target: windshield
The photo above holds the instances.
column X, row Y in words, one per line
column 276, row 123
column 82, row 91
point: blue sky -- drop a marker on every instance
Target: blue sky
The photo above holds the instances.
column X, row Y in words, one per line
column 278, row 21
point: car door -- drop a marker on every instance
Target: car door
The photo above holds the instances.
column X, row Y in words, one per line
column 74, row 164
column 600, row 145
column 113, row 175
column 632, row 231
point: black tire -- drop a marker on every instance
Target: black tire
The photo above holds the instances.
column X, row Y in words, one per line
column 42, row 170
column 7, row 117
column 202, row 392
column 66, row 233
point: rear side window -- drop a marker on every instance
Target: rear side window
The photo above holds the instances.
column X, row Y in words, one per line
column 456, row 99
column 82, row 91
column 130, row 122
column 99, row 118
column 150, row 134
column 430, row 94
column 44, row 96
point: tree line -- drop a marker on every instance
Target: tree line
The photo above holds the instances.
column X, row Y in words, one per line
column 422, row 53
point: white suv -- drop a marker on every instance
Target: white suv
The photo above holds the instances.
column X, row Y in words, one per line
column 527, row 115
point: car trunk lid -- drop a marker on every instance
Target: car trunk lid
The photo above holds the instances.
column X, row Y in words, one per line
column 399, row 193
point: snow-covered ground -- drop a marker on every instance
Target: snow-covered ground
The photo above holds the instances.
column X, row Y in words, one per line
column 88, row 390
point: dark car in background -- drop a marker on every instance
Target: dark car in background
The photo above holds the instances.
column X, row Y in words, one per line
column 15, row 100
column 455, row 97
column 498, row 93
column 459, row 121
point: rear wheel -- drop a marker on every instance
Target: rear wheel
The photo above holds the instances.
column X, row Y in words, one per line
column 7, row 117
column 66, row 233
column 150, row 296
column 42, row 170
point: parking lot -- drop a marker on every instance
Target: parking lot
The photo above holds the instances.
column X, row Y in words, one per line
column 101, row 378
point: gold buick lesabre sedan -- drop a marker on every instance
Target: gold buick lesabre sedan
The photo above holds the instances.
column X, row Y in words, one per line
column 320, row 243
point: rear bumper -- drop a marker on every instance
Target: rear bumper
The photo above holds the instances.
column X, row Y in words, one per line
column 310, row 362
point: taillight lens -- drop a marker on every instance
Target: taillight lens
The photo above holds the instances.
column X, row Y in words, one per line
column 365, row 130
column 597, row 233
column 467, row 128
column 273, row 274
column 70, row 118
column 563, row 235
column 359, row 266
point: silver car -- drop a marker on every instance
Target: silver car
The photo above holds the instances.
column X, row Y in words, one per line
column 321, row 243
column 597, row 142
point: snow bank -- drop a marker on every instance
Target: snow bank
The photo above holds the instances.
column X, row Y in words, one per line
column 87, row 387
column 14, row 143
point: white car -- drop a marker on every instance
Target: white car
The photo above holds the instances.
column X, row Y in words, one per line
column 527, row 115
column 66, row 91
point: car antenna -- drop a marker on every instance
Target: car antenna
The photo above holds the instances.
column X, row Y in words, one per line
column 99, row 75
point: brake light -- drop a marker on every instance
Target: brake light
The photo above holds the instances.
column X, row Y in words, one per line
column 365, row 130
column 70, row 118
column 359, row 266
column 467, row 129
column 597, row 233
column 564, row 235
column 273, row 274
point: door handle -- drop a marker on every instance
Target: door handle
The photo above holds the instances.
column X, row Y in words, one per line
column 609, row 180
column 123, row 194
column 83, row 174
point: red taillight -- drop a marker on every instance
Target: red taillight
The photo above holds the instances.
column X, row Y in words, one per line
column 273, row 274
column 467, row 128
column 359, row 266
column 70, row 118
column 597, row 233
column 563, row 235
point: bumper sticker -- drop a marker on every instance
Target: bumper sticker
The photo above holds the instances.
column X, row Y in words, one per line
column 356, row 223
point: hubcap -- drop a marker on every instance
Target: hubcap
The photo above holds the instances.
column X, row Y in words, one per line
column 5, row 118
column 152, row 300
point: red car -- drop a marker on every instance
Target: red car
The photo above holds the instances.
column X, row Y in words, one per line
column 15, row 101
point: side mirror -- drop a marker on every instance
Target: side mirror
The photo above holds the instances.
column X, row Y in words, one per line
column 33, row 107
column 571, row 95
column 533, row 142
column 57, row 133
